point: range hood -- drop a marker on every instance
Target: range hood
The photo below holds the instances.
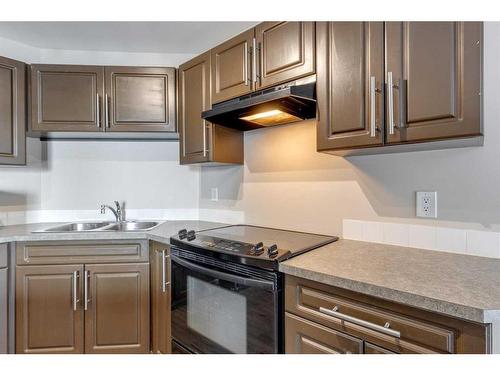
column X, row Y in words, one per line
column 274, row 106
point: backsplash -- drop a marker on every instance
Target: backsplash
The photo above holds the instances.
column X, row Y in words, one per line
column 453, row 240
column 47, row 216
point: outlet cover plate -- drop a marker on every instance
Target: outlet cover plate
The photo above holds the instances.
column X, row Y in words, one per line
column 426, row 204
column 214, row 194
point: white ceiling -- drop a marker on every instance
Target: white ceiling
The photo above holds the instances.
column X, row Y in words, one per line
column 152, row 37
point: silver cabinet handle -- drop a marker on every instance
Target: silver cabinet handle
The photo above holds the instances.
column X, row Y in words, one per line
column 247, row 78
column 164, row 282
column 204, row 139
column 390, row 102
column 98, row 111
column 75, row 290
column 401, row 87
column 373, row 117
column 383, row 329
column 86, row 289
column 254, row 60
column 106, row 111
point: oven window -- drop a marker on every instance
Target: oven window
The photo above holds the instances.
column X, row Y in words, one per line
column 213, row 315
column 213, row 311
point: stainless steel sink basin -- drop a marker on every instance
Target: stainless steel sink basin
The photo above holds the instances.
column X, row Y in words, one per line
column 129, row 226
column 76, row 227
column 126, row 226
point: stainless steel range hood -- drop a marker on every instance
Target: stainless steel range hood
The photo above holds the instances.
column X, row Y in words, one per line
column 275, row 106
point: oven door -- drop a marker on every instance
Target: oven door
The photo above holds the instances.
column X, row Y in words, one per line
column 219, row 311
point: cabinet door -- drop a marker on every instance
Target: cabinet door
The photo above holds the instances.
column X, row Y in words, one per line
column 194, row 98
column 49, row 317
column 160, row 299
column 140, row 99
column 285, row 51
column 117, row 315
column 12, row 112
column 305, row 337
column 349, row 84
column 66, row 98
column 232, row 67
column 436, row 70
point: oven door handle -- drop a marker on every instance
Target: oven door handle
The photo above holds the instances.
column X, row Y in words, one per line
column 223, row 275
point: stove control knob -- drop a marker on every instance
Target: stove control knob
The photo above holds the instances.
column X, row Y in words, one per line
column 190, row 235
column 272, row 251
column 258, row 249
column 183, row 234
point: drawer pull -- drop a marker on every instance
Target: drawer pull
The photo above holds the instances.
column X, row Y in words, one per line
column 383, row 329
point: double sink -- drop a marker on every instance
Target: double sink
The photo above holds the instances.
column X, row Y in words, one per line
column 123, row 226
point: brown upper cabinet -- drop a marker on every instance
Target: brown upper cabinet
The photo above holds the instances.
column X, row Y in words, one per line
column 430, row 89
column 350, row 76
column 70, row 98
column 436, row 80
column 12, row 112
column 285, row 51
column 140, row 99
column 67, row 98
column 267, row 55
column 201, row 141
column 232, row 67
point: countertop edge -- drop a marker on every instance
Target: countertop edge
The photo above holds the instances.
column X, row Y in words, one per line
column 410, row 299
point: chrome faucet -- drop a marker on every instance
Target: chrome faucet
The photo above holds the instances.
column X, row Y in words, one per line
column 118, row 212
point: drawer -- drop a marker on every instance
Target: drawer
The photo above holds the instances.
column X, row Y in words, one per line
column 305, row 337
column 3, row 255
column 74, row 252
column 313, row 301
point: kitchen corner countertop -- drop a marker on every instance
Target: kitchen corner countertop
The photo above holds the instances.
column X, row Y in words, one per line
column 162, row 233
column 462, row 286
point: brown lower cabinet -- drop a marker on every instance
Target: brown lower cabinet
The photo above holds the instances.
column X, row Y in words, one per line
column 160, row 298
column 96, row 307
column 324, row 319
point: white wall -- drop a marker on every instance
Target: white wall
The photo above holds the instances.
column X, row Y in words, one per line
column 286, row 183
column 72, row 178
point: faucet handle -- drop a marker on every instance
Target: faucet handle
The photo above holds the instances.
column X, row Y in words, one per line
column 117, row 204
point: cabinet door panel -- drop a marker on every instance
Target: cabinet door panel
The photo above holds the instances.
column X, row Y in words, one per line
column 12, row 112
column 117, row 319
column 348, row 55
column 46, row 321
column 140, row 99
column 436, row 68
column 286, row 51
column 231, row 67
column 305, row 337
column 194, row 98
column 66, row 98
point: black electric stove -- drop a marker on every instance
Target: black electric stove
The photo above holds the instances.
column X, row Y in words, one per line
column 251, row 245
column 227, row 292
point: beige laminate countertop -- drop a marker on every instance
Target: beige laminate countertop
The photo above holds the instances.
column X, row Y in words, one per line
column 462, row 286
column 162, row 233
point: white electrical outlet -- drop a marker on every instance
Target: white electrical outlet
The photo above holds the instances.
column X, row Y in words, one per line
column 214, row 192
column 427, row 204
